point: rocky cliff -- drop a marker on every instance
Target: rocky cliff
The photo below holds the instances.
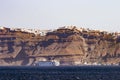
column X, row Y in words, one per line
column 68, row 46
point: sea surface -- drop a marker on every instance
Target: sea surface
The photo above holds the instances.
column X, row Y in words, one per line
column 60, row 73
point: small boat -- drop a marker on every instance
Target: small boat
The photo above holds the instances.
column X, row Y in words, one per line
column 47, row 63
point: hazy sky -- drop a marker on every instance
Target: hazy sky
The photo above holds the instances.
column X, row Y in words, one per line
column 48, row 14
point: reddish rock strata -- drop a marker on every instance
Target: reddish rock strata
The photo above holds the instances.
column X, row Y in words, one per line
column 68, row 46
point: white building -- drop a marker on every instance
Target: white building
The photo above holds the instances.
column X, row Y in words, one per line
column 35, row 31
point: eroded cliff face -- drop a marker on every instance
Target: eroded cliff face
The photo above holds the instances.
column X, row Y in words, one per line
column 68, row 46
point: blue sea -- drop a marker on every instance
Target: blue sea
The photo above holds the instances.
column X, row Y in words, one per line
column 60, row 73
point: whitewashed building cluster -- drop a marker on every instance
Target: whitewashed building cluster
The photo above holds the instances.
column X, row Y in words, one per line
column 35, row 31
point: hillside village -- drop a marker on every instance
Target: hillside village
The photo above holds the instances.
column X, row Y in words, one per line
column 69, row 45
